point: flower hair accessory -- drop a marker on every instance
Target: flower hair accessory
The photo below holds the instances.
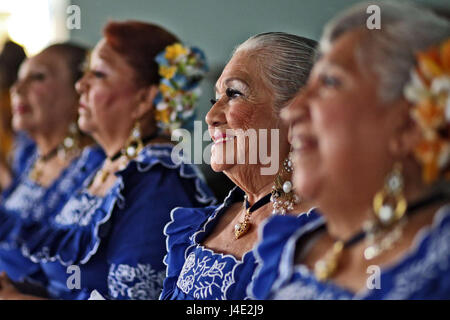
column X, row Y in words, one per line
column 181, row 69
column 429, row 91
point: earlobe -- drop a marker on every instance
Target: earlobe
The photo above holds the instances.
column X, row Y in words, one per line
column 146, row 96
column 408, row 137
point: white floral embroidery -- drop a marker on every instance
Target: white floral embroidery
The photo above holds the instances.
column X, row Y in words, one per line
column 410, row 279
column 28, row 197
column 79, row 210
column 204, row 278
column 228, row 280
column 300, row 290
column 137, row 283
column 416, row 276
column 25, row 198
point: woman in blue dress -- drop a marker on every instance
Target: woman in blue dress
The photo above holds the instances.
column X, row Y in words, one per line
column 44, row 102
column 108, row 238
column 370, row 134
column 210, row 250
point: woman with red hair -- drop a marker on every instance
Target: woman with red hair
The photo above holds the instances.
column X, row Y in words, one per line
column 112, row 229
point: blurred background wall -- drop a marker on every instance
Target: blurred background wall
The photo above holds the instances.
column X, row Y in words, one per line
column 215, row 26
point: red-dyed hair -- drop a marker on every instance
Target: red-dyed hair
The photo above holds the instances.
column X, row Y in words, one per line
column 139, row 43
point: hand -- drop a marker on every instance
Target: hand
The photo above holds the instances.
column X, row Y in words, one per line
column 7, row 289
column 5, row 174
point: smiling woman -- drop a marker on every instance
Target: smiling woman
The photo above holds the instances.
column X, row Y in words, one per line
column 210, row 250
column 363, row 150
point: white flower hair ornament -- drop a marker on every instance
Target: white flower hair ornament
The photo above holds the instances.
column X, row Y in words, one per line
column 429, row 92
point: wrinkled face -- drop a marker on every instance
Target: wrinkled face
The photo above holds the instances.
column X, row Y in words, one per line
column 244, row 105
column 43, row 96
column 340, row 129
column 108, row 93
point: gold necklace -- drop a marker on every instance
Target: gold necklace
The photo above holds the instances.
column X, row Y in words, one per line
column 325, row 268
column 37, row 171
column 243, row 227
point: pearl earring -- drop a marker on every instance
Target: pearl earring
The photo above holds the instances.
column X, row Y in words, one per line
column 283, row 197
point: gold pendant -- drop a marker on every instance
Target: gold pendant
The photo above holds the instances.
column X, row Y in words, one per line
column 326, row 267
column 37, row 172
column 104, row 174
column 241, row 228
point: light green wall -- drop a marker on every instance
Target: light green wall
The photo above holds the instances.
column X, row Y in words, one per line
column 216, row 27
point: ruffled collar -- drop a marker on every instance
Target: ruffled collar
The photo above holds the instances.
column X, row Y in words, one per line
column 287, row 267
column 45, row 200
column 78, row 237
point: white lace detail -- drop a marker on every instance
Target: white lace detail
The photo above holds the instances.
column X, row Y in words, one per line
column 79, row 210
column 299, row 290
column 28, row 197
column 24, row 199
column 207, row 277
column 137, row 283
column 407, row 281
column 420, row 272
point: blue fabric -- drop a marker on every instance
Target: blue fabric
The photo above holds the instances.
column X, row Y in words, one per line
column 26, row 202
column 117, row 241
column 195, row 272
column 423, row 273
column 24, row 148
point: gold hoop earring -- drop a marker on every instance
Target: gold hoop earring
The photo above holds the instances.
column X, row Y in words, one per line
column 68, row 148
column 389, row 204
column 133, row 146
column 71, row 143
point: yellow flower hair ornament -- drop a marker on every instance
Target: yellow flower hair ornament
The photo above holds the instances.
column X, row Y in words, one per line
column 181, row 69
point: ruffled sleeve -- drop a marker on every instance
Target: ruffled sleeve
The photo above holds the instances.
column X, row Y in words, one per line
column 124, row 229
column 151, row 184
column 277, row 243
column 63, row 242
column 18, row 227
column 23, row 149
column 179, row 232
column 135, row 271
column 423, row 273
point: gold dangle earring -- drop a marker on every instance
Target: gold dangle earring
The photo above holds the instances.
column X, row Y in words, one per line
column 389, row 206
column 283, row 196
column 69, row 147
column 133, row 146
column 71, row 144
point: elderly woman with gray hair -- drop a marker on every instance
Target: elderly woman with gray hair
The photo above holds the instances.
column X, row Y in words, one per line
column 371, row 140
column 210, row 250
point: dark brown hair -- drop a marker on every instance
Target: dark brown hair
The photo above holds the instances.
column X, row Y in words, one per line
column 11, row 57
column 74, row 55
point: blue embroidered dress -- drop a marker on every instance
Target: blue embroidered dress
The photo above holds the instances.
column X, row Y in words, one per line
column 424, row 273
column 115, row 244
column 195, row 272
column 23, row 149
column 28, row 202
